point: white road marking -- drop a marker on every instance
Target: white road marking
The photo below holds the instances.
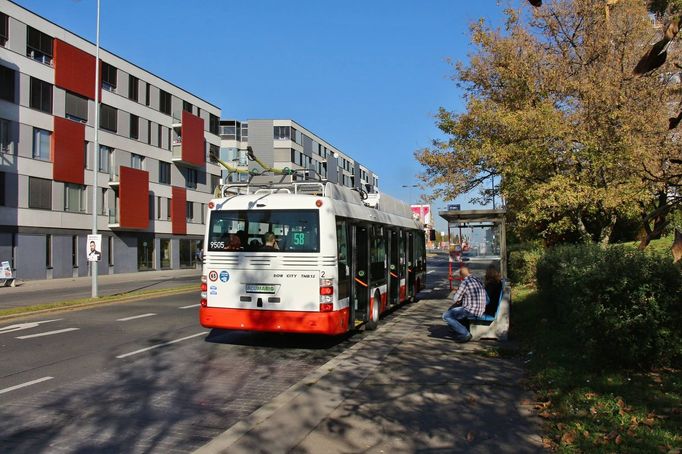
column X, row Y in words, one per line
column 142, row 350
column 48, row 333
column 23, row 385
column 429, row 272
column 436, row 288
column 134, row 317
column 190, row 306
column 21, row 326
column 428, row 290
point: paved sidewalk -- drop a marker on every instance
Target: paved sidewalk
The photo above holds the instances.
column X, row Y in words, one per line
column 408, row 387
column 28, row 293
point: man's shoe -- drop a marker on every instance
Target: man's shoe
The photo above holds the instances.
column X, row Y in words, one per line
column 464, row 340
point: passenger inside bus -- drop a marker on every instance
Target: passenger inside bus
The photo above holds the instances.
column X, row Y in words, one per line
column 254, row 245
column 270, row 242
column 234, row 243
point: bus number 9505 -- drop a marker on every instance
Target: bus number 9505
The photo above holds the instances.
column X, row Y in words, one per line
column 217, row 245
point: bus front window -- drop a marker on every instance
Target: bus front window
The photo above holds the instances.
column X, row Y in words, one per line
column 245, row 230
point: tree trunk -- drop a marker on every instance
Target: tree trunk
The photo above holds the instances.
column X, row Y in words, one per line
column 605, row 235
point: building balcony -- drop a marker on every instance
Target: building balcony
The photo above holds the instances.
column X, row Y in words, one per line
column 188, row 145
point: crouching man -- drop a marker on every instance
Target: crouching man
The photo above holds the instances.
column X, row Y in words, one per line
column 469, row 301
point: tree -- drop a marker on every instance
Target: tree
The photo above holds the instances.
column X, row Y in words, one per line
column 553, row 108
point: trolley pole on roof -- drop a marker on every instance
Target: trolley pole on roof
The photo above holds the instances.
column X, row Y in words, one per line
column 95, row 169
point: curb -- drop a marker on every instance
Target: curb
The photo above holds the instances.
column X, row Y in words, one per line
column 112, row 299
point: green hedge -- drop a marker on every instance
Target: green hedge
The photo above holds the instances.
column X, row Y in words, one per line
column 624, row 306
column 523, row 259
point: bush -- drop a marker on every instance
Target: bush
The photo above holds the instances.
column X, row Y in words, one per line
column 523, row 261
column 623, row 305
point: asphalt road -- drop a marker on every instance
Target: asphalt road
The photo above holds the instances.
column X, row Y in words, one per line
column 140, row 377
column 144, row 376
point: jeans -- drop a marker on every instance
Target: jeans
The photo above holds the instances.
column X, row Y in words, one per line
column 452, row 317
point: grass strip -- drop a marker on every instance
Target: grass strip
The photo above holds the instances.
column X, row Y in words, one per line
column 24, row 310
column 585, row 407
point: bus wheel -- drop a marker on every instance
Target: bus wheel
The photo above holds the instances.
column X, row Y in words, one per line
column 373, row 322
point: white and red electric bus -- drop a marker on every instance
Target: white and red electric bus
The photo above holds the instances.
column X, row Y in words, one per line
column 337, row 263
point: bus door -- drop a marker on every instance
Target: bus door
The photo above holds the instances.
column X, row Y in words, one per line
column 345, row 277
column 411, row 265
column 394, row 267
column 360, row 273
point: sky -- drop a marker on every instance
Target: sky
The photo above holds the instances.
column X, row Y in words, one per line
column 368, row 76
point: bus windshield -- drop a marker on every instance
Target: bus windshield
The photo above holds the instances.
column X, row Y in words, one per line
column 264, row 230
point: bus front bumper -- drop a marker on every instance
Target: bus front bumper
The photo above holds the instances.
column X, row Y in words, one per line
column 330, row 323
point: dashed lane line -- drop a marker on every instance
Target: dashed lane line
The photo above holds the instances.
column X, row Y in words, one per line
column 142, row 350
column 190, row 306
column 135, row 317
column 23, row 385
column 48, row 333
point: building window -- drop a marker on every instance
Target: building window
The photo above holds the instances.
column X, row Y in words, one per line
column 74, row 198
column 151, row 207
column 6, row 83
column 149, row 132
column 137, row 161
column 41, row 144
column 41, row 95
column 165, row 102
column 147, row 92
column 48, row 251
column 5, row 142
column 101, row 201
column 108, row 77
column 189, row 211
column 158, row 207
column 164, row 244
column 164, row 172
column 110, row 250
column 2, row 189
column 133, row 88
column 213, row 124
column 202, row 211
column 213, row 153
column 282, row 133
column 74, row 251
column 134, row 126
column 108, row 118
column 159, row 130
column 39, row 193
column 191, row 179
column 229, row 131
column 245, row 132
column 186, row 106
column 39, row 46
column 168, row 208
column 106, row 155
column 76, row 107
column 4, row 29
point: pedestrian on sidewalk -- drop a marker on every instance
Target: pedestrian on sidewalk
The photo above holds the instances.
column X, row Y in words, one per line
column 469, row 301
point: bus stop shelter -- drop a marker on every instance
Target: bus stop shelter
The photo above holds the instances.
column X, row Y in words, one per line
column 478, row 237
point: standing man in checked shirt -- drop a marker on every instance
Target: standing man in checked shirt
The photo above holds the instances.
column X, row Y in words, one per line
column 471, row 296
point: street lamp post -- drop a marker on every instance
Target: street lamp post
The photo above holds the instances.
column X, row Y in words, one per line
column 95, row 169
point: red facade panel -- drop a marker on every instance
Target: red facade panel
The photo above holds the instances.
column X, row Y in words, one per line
column 178, row 211
column 68, row 151
column 133, row 198
column 74, row 69
column 193, row 145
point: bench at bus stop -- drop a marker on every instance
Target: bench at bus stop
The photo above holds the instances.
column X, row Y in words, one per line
column 493, row 327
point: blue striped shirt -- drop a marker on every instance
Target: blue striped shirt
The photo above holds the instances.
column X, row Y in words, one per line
column 472, row 294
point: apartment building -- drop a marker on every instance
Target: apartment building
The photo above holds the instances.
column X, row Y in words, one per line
column 285, row 143
column 154, row 174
